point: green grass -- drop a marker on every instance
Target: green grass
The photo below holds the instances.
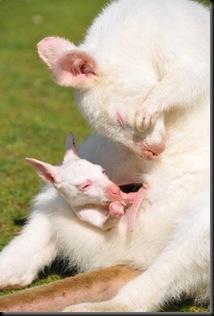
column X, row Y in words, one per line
column 35, row 113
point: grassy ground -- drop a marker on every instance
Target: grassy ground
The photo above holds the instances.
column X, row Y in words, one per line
column 35, row 113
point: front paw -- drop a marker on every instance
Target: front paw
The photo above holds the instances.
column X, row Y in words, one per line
column 13, row 275
column 116, row 209
column 98, row 307
column 145, row 118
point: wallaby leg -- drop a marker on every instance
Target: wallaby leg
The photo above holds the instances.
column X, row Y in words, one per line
column 92, row 286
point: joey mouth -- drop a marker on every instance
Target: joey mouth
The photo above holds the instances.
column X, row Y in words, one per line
column 127, row 190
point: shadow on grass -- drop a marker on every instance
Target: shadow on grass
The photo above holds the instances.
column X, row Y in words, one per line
column 60, row 268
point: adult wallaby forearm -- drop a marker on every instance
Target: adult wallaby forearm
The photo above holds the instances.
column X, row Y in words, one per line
column 92, row 286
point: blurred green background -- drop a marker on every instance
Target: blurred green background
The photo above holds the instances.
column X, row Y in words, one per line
column 35, row 113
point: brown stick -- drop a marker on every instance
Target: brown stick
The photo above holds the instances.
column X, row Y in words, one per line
column 92, row 286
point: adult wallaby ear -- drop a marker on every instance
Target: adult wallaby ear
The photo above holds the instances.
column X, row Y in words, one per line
column 47, row 172
column 52, row 47
column 70, row 149
column 75, row 69
column 71, row 67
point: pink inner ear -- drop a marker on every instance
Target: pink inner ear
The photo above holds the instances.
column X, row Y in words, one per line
column 72, row 66
column 46, row 171
column 49, row 178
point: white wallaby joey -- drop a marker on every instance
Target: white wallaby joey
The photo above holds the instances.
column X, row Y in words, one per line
column 85, row 187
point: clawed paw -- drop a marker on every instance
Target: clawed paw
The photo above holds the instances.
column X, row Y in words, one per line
column 14, row 283
column 145, row 119
column 14, row 275
column 116, row 209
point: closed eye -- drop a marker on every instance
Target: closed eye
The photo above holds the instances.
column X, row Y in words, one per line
column 85, row 186
column 120, row 119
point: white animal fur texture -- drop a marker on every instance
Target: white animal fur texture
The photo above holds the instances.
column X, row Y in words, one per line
column 85, row 187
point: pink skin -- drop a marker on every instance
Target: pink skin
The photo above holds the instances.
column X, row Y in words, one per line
column 113, row 191
column 123, row 200
column 116, row 209
column 135, row 207
column 74, row 67
column 151, row 150
column 149, row 146
column 135, row 199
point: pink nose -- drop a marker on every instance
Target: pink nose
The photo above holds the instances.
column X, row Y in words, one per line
column 113, row 190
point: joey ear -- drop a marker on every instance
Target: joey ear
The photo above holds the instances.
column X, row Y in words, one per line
column 70, row 149
column 47, row 172
column 75, row 69
column 52, row 47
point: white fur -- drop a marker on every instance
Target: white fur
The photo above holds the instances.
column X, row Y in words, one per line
column 85, row 187
column 150, row 56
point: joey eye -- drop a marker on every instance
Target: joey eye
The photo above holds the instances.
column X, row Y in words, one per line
column 120, row 118
column 103, row 171
column 85, row 186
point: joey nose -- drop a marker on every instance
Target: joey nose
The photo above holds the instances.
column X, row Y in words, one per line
column 113, row 191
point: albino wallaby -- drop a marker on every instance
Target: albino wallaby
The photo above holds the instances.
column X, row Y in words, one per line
column 75, row 187
column 140, row 61
column 86, row 188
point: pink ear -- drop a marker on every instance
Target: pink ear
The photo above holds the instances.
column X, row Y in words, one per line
column 52, row 47
column 47, row 172
column 70, row 149
column 75, row 69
